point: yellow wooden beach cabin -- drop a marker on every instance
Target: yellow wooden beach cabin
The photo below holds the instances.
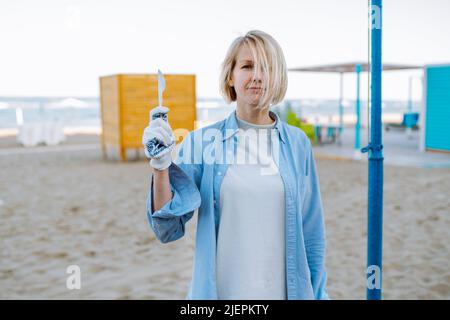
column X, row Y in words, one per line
column 126, row 101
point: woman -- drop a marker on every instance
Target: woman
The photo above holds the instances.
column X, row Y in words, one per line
column 252, row 177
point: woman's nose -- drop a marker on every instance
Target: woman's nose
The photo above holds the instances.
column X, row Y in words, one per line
column 257, row 77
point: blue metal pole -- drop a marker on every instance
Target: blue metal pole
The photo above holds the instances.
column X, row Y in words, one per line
column 341, row 107
column 410, row 94
column 408, row 115
column 358, row 106
column 375, row 205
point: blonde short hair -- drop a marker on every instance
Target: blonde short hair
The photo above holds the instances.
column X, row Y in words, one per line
column 268, row 57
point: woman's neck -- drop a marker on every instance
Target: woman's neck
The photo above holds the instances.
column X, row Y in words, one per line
column 254, row 115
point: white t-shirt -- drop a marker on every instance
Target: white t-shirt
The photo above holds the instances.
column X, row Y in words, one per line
column 251, row 239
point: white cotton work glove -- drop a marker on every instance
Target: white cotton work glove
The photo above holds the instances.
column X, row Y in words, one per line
column 160, row 133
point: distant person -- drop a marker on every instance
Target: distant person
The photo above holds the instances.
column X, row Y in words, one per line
column 253, row 179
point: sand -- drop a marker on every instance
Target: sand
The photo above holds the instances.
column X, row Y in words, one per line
column 69, row 207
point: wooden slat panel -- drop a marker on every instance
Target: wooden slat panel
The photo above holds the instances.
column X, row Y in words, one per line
column 128, row 99
column 140, row 95
column 109, row 99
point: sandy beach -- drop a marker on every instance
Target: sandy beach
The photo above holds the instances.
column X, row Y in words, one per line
column 69, row 207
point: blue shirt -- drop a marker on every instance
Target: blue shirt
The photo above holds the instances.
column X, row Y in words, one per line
column 195, row 180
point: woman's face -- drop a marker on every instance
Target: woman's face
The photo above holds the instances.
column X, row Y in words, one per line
column 248, row 89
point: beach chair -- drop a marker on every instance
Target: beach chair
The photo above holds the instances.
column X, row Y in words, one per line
column 53, row 133
column 410, row 119
column 49, row 133
column 30, row 135
column 331, row 134
column 318, row 133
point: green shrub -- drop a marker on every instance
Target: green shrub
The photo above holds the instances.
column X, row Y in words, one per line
column 308, row 129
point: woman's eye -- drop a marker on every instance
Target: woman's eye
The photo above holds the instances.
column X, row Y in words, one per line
column 247, row 66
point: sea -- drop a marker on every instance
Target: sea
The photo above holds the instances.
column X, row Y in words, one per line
column 85, row 111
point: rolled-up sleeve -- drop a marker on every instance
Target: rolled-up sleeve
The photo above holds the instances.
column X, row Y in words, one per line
column 168, row 223
column 314, row 229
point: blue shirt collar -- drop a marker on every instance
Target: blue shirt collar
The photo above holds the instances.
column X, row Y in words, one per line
column 232, row 126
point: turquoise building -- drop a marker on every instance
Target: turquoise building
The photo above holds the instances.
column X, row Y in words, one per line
column 435, row 122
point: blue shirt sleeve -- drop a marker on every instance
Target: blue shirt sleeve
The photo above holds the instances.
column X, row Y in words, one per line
column 314, row 229
column 168, row 223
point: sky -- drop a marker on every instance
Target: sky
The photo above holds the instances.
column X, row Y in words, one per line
column 62, row 47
